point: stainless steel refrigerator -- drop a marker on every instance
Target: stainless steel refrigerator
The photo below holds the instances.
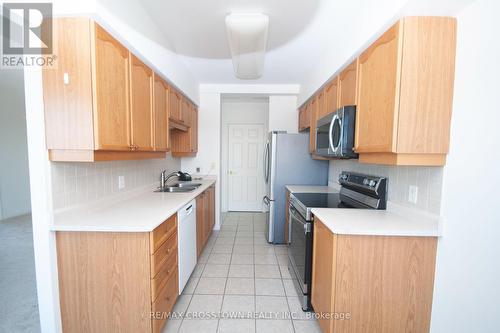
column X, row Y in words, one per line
column 287, row 161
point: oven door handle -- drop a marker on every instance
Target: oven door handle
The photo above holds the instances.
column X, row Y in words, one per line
column 300, row 219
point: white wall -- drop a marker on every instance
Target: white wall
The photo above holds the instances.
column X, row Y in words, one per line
column 14, row 174
column 467, row 288
column 239, row 111
column 283, row 113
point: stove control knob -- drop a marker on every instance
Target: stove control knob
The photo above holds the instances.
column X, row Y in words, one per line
column 372, row 183
column 366, row 182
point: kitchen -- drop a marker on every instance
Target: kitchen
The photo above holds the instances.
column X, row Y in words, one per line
column 368, row 212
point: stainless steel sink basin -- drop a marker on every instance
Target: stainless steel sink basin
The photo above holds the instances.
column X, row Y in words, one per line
column 179, row 187
column 195, row 185
column 173, row 189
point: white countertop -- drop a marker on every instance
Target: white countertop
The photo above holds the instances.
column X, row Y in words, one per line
column 310, row 189
column 139, row 211
column 395, row 221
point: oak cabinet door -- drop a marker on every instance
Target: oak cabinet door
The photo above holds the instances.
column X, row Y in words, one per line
column 161, row 128
column 193, row 112
column 321, row 104
column 185, row 111
column 323, row 275
column 348, row 84
column 304, row 118
column 175, row 105
column 141, row 89
column 331, row 96
column 211, row 208
column 200, row 222
column 112, row 109
column 379, row 73
column 313, row 111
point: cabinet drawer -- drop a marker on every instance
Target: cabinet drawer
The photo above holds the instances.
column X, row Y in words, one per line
column 165, row 271
column 165, row 301
column 163, row 232
column 168, row 249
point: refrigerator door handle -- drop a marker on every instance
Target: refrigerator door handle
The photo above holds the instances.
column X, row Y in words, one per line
column 266, row 162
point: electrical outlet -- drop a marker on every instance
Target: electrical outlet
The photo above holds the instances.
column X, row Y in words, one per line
column 198, row 169
column 212, row 166
column 121, row 182
column 413, row 194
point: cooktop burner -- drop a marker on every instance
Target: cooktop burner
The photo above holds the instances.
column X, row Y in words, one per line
column 321, row 200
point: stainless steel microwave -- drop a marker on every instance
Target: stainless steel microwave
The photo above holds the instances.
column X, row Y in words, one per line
column 335, row 133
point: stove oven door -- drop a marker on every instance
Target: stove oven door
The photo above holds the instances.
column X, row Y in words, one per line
column 300, row 255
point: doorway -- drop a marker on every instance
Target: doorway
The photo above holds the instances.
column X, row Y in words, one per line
column 245, row 143
column 19, row 306
column 244, row 129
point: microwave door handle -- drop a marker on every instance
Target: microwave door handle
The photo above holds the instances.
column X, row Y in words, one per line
column 332, row 147
column 330, row 133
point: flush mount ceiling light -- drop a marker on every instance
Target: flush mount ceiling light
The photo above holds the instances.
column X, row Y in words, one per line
column 247, row 37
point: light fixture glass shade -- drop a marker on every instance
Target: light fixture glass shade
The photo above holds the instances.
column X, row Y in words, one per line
column 247, row 37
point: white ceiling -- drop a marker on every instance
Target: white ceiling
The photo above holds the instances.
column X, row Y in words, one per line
column 303, row 34
column 195, row 30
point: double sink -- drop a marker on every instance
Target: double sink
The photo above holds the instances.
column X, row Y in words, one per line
column 179, row 187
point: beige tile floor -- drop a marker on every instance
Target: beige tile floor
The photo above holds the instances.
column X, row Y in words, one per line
column 241, row 284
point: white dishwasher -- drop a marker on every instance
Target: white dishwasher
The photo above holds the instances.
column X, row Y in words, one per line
column 187, row 242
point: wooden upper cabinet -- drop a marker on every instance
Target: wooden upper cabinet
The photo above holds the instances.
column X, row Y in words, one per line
column 141, row 87
column 321, row 111
column 348, row 84
column 405, row 93
column 193, row 112
column 312, row 119
column 161, row 122
column 175, row 105
column 68, row 105
column 184, row 143
column 111, row 96
column 304, row 117
column 185, row 110
column 378, row 89
column 332, row 96
column 98, row 99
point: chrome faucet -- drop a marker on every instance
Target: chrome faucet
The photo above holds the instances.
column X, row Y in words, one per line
column 164, row 179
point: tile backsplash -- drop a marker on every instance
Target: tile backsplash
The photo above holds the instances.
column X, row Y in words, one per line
column 428, row 180
column 80, row 183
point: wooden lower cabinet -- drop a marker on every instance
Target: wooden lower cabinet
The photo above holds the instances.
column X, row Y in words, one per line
column 205, row 217
column 372, row 283
column 117, row 281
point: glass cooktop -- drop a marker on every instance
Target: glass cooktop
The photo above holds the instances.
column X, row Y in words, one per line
column 321, row 200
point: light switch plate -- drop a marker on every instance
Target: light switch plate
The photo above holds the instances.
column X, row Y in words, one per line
column 121, row 182
column 413, row 194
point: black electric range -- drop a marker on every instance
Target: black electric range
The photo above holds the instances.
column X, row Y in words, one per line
column 357, row 192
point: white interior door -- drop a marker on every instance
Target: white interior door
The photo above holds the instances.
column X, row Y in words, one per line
column 245, row 172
